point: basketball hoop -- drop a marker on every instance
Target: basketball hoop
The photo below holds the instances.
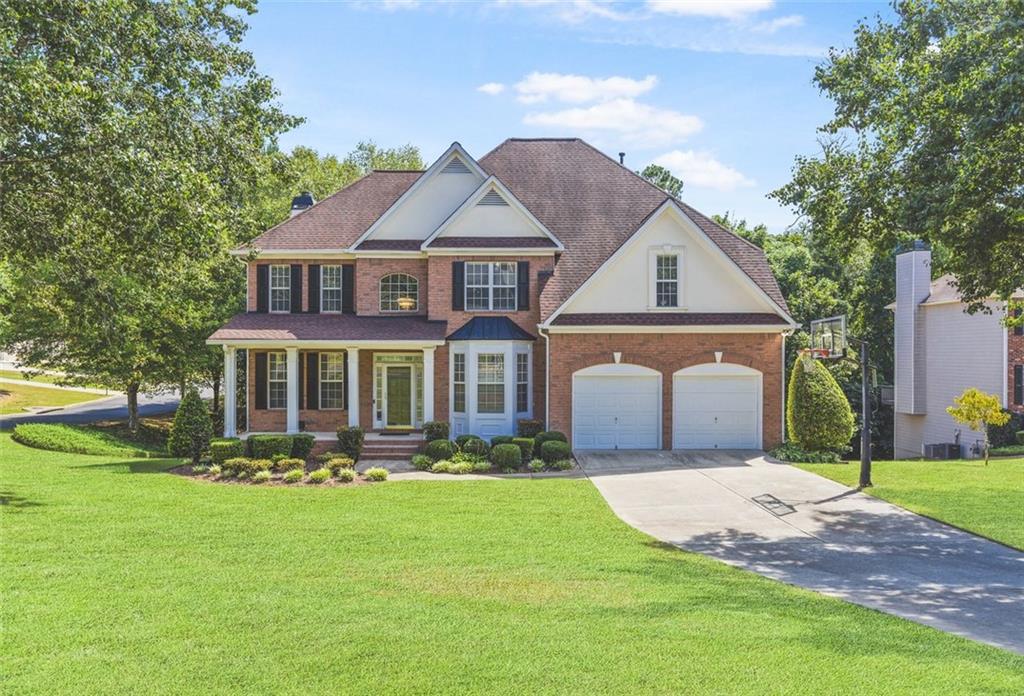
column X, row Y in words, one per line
column 814, row 354
column 828, row 338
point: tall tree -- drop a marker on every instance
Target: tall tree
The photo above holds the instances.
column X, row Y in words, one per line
column 663, row 179
column 926, row 142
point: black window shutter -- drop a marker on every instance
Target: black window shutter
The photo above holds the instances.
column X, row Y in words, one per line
column 261, row 380
column 296, row 288
column 523, row 285
column 344, row 384
column 312, row 381
column 262, row 288
column 348, row 286
column 1018, row 385
column 314, row 288
column 458, row 286
column 1018, row 330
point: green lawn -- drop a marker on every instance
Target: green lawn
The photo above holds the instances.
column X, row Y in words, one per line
column 48, row 379
column 988, row 500
column 118, row 578
column 14, row 398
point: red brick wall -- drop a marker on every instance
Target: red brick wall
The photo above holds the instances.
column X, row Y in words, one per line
column 367, row 283
column 667, row 353
column 275, row 420
column 1015, row 346
column 251, row 278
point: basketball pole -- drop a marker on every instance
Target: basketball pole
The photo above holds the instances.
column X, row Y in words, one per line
column 865, row 418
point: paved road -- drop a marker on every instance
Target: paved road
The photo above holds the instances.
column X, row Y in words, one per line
column 116, row 407
column 821, row 535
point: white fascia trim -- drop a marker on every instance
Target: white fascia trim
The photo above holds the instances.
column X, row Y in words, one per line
column 714, row 248
column 684, row 329
column 484, row 251
column 474, row 198
column 333, row 345
column 296, row 253
column 453, row 150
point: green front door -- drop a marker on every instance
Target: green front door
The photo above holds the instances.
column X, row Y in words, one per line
column 399, row 394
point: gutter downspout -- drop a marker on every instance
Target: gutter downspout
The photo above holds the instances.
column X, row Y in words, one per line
column 785, row 335
column 547, row 376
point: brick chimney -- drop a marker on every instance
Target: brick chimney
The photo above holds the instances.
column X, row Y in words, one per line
column 913, row 285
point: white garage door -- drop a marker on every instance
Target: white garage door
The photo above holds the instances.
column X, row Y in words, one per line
column 716, row 411
column 616, row 411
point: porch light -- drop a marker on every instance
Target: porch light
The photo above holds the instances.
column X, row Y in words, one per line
column 406, row 303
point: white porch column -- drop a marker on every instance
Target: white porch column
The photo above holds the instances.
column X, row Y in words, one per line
column 353, row 386
column 230, row 392
column 428, row 384
column 292, row 364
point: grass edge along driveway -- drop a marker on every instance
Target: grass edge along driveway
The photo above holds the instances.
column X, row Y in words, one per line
column 120, row 578
column 986, row 500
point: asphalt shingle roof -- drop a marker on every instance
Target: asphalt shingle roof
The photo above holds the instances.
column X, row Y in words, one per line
column 328, row 327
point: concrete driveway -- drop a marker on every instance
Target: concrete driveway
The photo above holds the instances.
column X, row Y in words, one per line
column 793, row 526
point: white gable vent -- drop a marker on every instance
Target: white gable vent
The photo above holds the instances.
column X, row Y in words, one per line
column 492, row 197
column 455, row 166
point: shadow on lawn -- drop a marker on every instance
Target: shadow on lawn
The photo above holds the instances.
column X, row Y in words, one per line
column 14, row 501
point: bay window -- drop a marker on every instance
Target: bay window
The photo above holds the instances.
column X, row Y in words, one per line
column 522, row 382
column 490, row 387
column 459, row 382
column 490, row 286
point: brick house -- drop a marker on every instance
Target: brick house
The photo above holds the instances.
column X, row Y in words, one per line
column 940, row 350
column 543, row 281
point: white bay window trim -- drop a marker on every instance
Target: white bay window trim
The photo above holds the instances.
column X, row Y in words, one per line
column 482, row 354
column 666, row 252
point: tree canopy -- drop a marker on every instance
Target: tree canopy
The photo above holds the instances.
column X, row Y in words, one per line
column 663, row 179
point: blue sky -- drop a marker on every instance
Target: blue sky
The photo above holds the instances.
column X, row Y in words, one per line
column 719, row 92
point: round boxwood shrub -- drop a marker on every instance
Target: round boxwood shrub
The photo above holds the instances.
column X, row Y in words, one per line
column 293, row 476
column 506, row 456
column 320, row 475
column 461, row 440
column 546, row 436
column 266, row 446
column 350, row 441
column 475, row 446
column 436, row 430
column 525, row 445
column 553, row 450
column 302, row 445
column 222, row 449
column 192, row 429
column 345, row 475
column 421, row 462
column 529, row 427
column 376, row 473
column 289, row 463
column 340, row 463
column 818, row 415
column 442, row 466
column 261, row 476
column 234, row 465
column 502, row 440
column 439, row 449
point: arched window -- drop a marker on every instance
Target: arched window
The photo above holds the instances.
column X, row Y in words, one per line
column 399, row 292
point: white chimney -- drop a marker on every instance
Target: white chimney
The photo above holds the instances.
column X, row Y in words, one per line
column 913, row 285
column 301, row 202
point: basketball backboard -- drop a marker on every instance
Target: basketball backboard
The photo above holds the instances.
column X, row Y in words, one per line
column 829, row 336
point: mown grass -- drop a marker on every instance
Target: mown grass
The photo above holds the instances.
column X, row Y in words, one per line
column 75, row 439
column 987, row 500
column 16, row 397
column 118, row 578
column 40, row 377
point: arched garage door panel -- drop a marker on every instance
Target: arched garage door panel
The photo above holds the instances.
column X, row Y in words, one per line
column 717, row 409
column 616, row 408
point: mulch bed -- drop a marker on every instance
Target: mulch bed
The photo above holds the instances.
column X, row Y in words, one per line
column 185, row 470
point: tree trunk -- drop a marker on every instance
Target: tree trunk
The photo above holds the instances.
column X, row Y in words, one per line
column 133, row 407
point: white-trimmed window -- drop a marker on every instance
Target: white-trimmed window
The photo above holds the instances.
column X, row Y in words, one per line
column 277, row 380
column 399, row 292
column 666, row 278
column 459, row 382
column 280, row 289
column 330, row 288
column 522, row 382
column 332, row 381
column 491, row 286
column 490, row 383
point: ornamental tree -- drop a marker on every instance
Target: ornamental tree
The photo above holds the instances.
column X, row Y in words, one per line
column 818, row 415
column 192, row 430
column 978, row 410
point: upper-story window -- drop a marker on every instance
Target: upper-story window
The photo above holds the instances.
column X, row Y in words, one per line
column 399, row 292
column 330, row 288
column 491, row 286
column 666, row 274
column 280, row 288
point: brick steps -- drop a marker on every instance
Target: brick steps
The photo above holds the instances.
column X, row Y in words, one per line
column 390, row 448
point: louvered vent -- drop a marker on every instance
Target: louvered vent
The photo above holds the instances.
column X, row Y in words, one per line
column 456, row 166
column 492, row 197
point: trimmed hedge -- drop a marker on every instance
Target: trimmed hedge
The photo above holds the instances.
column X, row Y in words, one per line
column 226, row 448
column 461, row 440
column 475, row 446
column 192, row 429
column 438, row 450
column 818, row 414
column 436, row 430
column 547, row 436
column 422, row 462
column 1008, row 433
column 290, row 464
column 266, row 446
column 529, row 427
column 350, row 441
column 339, row 463
column 506, row 456
column 525, row 445
column 502, row 440
column 553, row 450
column 1020, row 438
column 302, row 445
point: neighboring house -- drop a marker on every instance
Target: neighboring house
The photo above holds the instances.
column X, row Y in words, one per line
column 942, row 350
column 543, row 281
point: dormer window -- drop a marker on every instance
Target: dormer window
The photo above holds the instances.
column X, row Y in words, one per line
column 666, row 278
column 399, row 292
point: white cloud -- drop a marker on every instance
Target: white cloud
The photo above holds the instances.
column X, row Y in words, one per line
column 773, row 25
column 700, row 169
column 394, row 5
column 577, row 89
column 491, row 88
column 728, row 9
column 639, row 125
column 572, row 11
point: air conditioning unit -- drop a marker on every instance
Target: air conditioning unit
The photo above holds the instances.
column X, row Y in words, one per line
column 945, row 450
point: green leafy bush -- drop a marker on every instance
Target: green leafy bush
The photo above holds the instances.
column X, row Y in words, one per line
column 529, row 427
column 328, row 456
column 439, row 449
column 525, row 445
column 59, row 437
column 293, row 476
column 791, row 452
column 1008, row 451
column 261, row 476
column 442, row 466
column 225, row 448
column 506, row 456
column 1020, row 438
column 502, row 440
column 302, row 445
column 481, row 466
column 200, row 470
column 376, row 474
column 818, row 414
column 278, row 457
column 561, row 465
column 461, row 440
column 289, row 463
column 1006, row 434
column 547, row 436
column 215, row 470
column 345, row 475
column 235, row 464
column 553, row 450
column 476, row 446
column 422, row 462
column 350, row 441
column 266, row 446
column 461, row 468
column 192, row 429
column 339, row 464
column 536, row 465
column 256, row 465
column 468, row 457
column 320, row 475
column 436, row 430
